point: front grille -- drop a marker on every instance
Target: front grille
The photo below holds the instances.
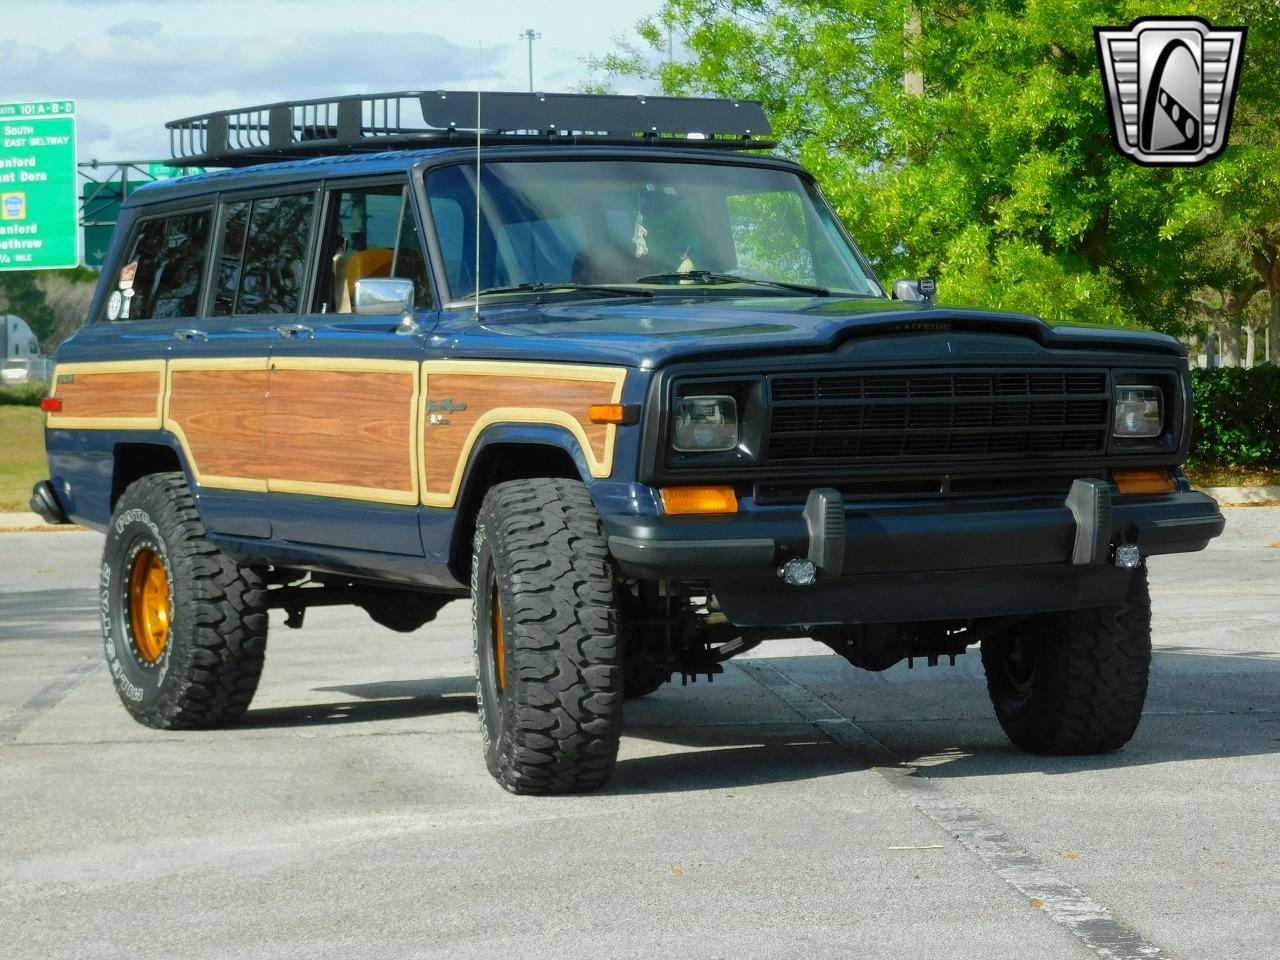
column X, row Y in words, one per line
column 941, row 416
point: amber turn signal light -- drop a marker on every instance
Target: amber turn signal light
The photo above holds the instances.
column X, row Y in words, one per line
column 1143, row 481
column 678, row 500
column 621, row 413
column 51, row 404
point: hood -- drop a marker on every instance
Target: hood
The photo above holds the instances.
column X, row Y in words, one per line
column 651, row 333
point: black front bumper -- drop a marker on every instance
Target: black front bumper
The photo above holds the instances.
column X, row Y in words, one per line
column 916, row 561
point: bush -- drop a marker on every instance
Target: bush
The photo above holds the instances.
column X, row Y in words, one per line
column 1237, row 417
column 23, row 394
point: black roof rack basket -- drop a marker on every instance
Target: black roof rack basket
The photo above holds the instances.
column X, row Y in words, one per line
column 391, row 121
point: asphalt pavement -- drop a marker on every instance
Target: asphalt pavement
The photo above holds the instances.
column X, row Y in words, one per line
column 796, row 807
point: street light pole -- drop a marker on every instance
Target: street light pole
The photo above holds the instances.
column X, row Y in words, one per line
column 531, row 35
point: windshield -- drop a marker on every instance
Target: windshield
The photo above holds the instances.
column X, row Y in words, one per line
column 616, row 222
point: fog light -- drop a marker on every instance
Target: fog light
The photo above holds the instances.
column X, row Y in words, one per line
column 1128, row 556
column 798, row 572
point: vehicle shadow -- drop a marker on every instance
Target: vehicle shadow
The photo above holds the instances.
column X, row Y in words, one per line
column 25, row 615
column 1202, row 705
column 381, row 701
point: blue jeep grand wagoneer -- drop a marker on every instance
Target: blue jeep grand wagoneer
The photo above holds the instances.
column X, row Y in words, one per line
column 611, row 370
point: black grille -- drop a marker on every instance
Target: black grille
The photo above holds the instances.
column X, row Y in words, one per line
column 844, row 417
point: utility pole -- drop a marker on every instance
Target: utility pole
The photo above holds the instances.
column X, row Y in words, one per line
column 531, row 35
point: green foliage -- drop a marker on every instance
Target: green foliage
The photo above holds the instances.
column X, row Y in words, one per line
column 23, row 394
column 21, row 295
column 1001, row 178
column 51, row 301
column 1237, row 416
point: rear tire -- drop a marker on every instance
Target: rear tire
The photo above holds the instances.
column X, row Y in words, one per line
column 1073, row 682
column 545, row 636
column 184, row 627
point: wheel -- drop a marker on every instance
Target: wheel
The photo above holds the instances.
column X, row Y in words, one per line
column 545, row 636
column 1073, row 682
column 184, row 627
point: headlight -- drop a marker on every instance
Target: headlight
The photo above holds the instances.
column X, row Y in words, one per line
column 705, row 424
column 1138, row 412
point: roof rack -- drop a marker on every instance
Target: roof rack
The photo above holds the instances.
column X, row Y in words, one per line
column 389, row 121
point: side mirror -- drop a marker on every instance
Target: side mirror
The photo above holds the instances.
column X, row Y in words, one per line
column 916, row 291
column 383, row 298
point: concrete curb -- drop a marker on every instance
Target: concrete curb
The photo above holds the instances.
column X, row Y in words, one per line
column 31, row 523
column 1234, row 496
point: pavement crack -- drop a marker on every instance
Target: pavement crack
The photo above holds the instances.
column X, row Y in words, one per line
column 1089, row 921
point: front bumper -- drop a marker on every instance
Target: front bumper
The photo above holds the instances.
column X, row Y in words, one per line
column 915, row 561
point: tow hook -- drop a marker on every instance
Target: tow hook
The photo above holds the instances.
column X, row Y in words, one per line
column 798, row 572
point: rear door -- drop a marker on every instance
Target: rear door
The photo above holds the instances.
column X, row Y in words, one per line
column 344, row 389
column 218, row 376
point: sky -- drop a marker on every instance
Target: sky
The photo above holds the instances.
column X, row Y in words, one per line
column 134, row 64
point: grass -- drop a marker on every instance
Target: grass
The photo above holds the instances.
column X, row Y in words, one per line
column 22, row 460
column 1210, row 475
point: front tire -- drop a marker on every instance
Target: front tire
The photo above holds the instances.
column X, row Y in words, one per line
column 1073, row 682
column 184, row 627
column 545, row 636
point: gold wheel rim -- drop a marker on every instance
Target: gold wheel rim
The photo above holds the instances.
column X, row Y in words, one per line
column 499, row 645
column 149, row 605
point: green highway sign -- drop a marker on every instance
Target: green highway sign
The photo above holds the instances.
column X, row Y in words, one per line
column 100, row 205
column 162, row 171
column 39, row 211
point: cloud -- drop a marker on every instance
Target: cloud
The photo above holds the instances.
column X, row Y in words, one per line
column 139, row 59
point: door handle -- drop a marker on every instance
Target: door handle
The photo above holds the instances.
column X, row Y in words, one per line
column 191, row 334
column 297, row 331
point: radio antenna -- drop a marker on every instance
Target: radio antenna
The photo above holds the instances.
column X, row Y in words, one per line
column 479, row 81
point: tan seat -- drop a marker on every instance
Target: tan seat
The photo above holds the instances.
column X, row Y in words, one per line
column 374, row 262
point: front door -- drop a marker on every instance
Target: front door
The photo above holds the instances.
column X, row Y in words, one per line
column 344, row 389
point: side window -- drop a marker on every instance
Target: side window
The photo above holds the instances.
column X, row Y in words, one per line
column 264, row 255
column 369, row 232
column 161, row 275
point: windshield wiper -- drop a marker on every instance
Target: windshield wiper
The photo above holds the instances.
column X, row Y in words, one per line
column 706, row 276
column 543, row 286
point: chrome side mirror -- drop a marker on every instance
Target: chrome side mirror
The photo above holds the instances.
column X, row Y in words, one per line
column 916, row 291
column 383, row 298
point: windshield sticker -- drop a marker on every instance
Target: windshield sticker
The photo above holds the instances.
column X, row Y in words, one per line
column 115, row 303
column 124, row 307
column 127, row 273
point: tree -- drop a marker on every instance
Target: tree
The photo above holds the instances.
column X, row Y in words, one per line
column 54, row 303
column 20, row 294
column 1000, row 178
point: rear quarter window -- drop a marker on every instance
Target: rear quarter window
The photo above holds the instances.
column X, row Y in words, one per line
column 161, row 274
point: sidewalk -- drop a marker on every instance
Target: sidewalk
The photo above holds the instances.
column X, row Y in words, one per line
column 30, row 522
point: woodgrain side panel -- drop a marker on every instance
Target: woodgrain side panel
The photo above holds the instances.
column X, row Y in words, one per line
column 343, row 428
column 499, row 398
column 221, row 418
column 109, row 395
